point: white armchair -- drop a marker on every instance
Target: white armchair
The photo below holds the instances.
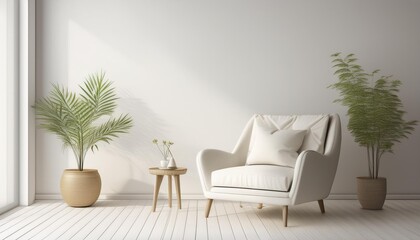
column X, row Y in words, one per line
column 226, row 176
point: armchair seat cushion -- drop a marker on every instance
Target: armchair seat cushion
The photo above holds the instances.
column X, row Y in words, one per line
column 263, row 177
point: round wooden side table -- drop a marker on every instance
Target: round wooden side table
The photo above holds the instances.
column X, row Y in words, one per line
column 159, row 177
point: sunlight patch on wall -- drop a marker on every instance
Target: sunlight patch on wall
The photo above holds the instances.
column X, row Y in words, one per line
column 166, row 99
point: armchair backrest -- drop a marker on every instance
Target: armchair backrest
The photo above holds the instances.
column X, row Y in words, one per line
column 321, row 137
column 333, row 138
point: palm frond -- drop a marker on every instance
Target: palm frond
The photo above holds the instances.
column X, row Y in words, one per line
column 72, row 117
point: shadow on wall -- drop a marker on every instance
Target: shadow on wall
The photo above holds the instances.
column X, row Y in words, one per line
column 147, row 126
column 134, row 150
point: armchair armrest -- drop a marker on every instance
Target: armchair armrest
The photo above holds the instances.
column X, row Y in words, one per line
column 210, row 160
column 313, row 177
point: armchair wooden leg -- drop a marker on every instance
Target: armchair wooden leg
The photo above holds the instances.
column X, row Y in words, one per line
column 321, row 205
column 260, row 206
column 285, row 214
column 208, row 207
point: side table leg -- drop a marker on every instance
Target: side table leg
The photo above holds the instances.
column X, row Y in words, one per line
column 170, row 190
column 159, row 179
column 178, row 190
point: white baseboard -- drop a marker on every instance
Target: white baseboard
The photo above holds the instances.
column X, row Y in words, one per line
column 201, row 196
column 124, row 196
column 342, row 197
column 388, row 197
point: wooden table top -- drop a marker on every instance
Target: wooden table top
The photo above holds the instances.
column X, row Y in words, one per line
column 176, row 171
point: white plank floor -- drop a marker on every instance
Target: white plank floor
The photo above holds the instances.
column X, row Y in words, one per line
column 133, row 219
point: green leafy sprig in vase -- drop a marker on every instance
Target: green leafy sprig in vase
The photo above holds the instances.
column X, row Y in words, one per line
column 164, row 148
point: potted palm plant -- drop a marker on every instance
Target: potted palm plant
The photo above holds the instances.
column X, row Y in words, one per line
column 375, row 120
column 81, row 121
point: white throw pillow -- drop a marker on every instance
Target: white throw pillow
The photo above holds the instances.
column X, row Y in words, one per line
column 273, row 146
column 316, row 126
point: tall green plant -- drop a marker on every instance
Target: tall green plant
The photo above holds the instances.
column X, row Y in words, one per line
column 375, row 111
column 75, row 118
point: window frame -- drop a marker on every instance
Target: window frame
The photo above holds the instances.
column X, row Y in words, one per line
column 12, row 108
column 23, row 74
column 26, row 80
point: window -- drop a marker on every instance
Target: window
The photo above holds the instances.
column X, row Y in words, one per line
column 8, row 107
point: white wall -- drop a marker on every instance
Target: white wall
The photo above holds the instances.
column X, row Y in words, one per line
column 195, row 71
